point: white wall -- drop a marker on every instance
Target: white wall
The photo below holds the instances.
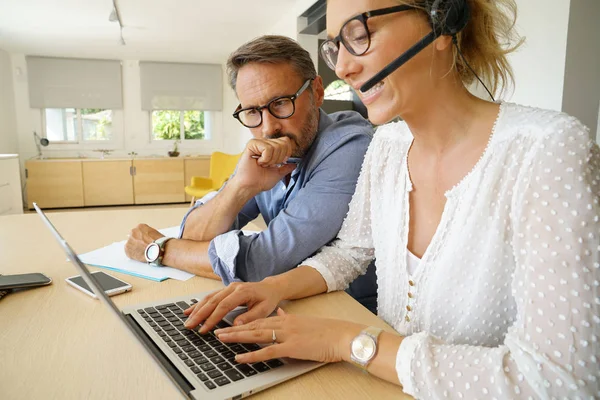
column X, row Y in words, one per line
column 8, row 129
column 539, row 65
column 581, row 95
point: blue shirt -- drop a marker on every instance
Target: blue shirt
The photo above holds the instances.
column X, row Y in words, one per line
column 303, row 215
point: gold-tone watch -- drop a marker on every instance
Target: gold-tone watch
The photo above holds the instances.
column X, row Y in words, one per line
column 364, row 347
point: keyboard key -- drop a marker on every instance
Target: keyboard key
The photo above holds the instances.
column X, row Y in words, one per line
column 207, row 366
column 189, row 348
column 140, row 311
column 210, row 353
column 234, row 374
column 202, row 377
column 274, row 363
column 152, row 324
column 217, row 359
column 225, row 366
column 161, row 307
column 164, row 337
column 150, row 310
column 204, row 348
column 148, row 319
column 251, row 346
column 154, row 315
column 183, row 305
column 182, row 356
column 173, row 333
column 194, row 354
column 173, row 319
column 194, row 301
column 177, row 350
column 157, row 329
column 260, row 367
column 172, row 344
column 214, row 373
column 196, row 370
column 210, row 385
column 228, row 354
column 189, row 363
column 172, row 305
column 189, row 334
column 222, row 381
column 221, row 348
column 197, row 341
column 246, row 370
column 166, row 312
column 164, row 323
column 159, row 319
column 200, row 360
column 223, row 324
column 237, row 349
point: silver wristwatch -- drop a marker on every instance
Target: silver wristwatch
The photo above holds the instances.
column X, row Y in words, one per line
column 364, row 347
column 155, row 251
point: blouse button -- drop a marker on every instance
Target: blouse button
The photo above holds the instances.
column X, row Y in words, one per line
column 407, row 318
column 409, row 308
column 410, row 295
column 411, row 283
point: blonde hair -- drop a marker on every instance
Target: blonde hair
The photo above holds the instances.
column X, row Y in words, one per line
column 485, row 42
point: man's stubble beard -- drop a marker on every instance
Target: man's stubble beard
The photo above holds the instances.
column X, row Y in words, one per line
column 308, row 132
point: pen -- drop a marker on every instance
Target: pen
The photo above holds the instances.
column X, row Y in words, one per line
column 291, row 160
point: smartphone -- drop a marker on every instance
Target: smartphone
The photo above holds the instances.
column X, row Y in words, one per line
column 23, row 281
column 111, row 285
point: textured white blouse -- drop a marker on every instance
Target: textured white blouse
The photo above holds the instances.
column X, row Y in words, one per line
column 505, row 302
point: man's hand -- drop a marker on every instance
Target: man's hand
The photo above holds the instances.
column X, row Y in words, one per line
column 139, row 238
column 260, row 174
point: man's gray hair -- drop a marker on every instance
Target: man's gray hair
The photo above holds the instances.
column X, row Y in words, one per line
column 271, row 49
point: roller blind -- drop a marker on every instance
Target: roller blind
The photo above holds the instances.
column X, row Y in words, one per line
column 77, row 83
column 178, row 86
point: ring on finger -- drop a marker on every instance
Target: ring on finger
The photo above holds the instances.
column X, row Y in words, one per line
column 274, row 337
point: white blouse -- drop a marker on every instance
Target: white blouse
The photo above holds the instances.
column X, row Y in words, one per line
column 505, row 301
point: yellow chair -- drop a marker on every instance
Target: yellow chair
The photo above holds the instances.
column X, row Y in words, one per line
column 221, row 167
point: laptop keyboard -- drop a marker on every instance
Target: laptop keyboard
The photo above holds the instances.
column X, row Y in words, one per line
column 211, row 360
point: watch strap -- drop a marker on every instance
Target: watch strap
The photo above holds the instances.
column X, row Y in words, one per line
column 161, row 242
column 372, row 332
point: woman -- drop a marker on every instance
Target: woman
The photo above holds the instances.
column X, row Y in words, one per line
column 483, row 217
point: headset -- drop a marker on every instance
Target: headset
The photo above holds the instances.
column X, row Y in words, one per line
column 446, row 17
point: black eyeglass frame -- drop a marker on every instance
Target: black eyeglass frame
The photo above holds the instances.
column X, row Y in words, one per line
column 292, row 98
column 363, row 19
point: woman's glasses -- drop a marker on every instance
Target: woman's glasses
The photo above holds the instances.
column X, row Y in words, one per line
column 355, row 35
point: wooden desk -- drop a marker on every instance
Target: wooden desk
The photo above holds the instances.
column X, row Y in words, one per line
column 56, row 342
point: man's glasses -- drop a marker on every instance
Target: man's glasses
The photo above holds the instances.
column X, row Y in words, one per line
column 281, row 107
column 355, row 35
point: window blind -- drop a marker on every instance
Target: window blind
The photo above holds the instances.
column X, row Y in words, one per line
column 76, row 83
column 179, row 86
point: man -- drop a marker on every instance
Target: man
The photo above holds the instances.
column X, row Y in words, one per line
column 303, row 202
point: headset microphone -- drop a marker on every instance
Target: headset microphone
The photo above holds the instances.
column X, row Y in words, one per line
column 398, row 62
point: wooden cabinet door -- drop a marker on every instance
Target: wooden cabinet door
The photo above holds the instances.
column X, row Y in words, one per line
column 54, row 184
column 195, row 167
column 107, row 183
column 158, row 181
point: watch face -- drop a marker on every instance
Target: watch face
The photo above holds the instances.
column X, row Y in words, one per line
column 152, row 252
column 363, row 348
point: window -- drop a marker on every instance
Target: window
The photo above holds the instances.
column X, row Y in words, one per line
column 77, row 125
column 178, row 125
column 338, row 90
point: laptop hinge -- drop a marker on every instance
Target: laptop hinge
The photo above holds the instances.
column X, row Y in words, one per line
column 167, row 365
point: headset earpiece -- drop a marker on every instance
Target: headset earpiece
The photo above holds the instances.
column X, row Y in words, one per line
column 448, row 17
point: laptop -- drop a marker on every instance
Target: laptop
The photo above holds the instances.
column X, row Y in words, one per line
column 200, row 366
